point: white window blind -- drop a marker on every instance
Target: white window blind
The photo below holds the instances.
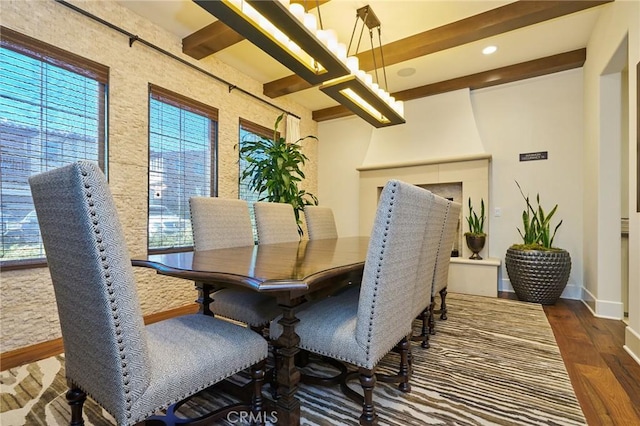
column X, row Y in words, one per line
column 182, row 141
column 52, row 113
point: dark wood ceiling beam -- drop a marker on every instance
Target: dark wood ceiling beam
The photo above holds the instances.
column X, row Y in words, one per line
column 490, row 23
column 508, row 74
column 210, row 39
column 217, row 36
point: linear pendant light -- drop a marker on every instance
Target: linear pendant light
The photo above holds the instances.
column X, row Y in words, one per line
column 361, row 99
column 357, row 91
column 272, row 27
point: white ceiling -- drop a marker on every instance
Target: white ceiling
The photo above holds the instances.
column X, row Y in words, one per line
column 399, row 19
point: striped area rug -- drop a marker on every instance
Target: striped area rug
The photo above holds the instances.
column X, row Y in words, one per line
column 493, row 362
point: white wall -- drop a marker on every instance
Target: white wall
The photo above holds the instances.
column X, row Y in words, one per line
column 541, row 114
column 618, row 24
column 446, row 118
column 342, row 147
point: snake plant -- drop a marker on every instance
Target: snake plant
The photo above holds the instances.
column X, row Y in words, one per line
column 476, row 223
column 536, row 225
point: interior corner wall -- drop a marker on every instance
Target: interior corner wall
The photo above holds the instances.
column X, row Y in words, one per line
column 619, row 22
column 32, row 319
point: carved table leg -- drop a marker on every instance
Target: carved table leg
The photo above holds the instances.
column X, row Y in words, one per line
column 288, row 405
column 204, row 297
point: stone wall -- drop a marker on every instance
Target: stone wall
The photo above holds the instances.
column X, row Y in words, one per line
column 28, row 313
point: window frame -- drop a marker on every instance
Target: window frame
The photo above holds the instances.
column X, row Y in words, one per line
column 55, row 56
column 180, row 101
column 260, row 131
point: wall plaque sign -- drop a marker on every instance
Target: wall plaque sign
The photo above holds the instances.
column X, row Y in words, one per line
column 532, row 156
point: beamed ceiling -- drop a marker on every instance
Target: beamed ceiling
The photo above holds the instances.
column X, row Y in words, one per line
column 440, row 40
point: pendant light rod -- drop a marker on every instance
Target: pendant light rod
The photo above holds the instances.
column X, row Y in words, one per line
column 384, row 67
column 375, row 64
column 357, row 91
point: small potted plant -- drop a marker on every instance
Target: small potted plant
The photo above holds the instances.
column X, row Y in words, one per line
column 274, row 171
column 538, row 271
column 476, row 236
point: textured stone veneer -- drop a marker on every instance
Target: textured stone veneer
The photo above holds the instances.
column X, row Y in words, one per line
column 28, row 313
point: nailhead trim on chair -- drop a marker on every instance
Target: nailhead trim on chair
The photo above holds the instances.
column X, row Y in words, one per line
column 375, row 287
column 109, row 282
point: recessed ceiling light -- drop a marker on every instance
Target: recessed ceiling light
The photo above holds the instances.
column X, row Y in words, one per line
column 406, row 72
column 489, row 50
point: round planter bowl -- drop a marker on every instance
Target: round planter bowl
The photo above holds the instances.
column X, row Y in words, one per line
column 475, row 244
column 538, row 276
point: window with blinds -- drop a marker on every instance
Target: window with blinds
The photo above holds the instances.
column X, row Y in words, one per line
column 182, row 164
column 250, row 131
column 52, row 113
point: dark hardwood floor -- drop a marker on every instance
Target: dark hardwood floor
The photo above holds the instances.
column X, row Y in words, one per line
column 605, row 378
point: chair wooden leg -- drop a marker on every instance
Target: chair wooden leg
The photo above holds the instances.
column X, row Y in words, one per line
column 257, row 402
column 368, row 383
column 75, row 399
column 425, row 327
column 432, row 325
column 405, row 369
column 443, row 304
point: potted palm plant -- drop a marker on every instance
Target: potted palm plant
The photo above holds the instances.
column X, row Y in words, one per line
column 476, row 236
column 538, row 271
column 274, row 171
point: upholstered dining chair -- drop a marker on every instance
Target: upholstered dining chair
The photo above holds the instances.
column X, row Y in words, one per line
column 441, row 273
column 275, row 223
column 133, row 371
column 320, row 222
column 433, row 242
column 220, row 223
column 223, row 223
column 321, row 225
column 361, row 329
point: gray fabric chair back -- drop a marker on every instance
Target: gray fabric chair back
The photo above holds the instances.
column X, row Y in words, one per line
column 275, row 223
column 320, row 222
column 441, row 273
column 220, row 222
column 389, row 280
column 429, row 253
column 94, row 285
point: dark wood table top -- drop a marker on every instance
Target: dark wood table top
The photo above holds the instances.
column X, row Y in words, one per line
column 266, row 267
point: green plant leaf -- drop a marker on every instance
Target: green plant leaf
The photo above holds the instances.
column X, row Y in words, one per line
column 537, row 223
column 274, row 170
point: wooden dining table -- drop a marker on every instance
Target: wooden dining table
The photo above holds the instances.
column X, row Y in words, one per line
column 291, row 272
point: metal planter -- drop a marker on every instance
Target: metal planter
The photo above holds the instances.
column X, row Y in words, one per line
column 538, row 276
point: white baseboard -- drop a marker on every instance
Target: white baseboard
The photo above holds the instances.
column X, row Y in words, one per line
column 603, row 308
column 632, row 343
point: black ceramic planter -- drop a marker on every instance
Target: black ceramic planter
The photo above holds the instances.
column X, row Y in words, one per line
column 538, row 276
